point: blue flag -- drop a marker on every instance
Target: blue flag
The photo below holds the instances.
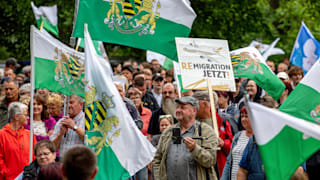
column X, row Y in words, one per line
column 306, row 50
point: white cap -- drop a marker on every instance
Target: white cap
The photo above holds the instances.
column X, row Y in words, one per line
column 282, row 75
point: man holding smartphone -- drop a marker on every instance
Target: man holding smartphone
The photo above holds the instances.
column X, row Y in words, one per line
column 190, row 154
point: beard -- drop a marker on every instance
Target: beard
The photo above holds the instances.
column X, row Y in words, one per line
column 169, row 106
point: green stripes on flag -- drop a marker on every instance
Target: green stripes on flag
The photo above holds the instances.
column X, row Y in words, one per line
column 110, row 129
column 47, row 17
column 149, row 25
column 248, row 63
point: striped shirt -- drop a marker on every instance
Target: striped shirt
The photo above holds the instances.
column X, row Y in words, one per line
column 237, row 152
column 71, row 137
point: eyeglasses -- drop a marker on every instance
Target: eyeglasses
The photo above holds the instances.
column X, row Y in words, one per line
column 165, row 116
column 167, row 92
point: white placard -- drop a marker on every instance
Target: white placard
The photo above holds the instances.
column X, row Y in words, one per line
column 201, row 59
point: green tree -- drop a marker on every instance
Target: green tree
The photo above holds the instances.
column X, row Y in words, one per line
column 239, row 22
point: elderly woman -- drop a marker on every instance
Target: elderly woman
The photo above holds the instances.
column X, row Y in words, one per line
column 55, row 104
column 239, row 143
column 45, row 152
column 42, row 123
column 135, row 96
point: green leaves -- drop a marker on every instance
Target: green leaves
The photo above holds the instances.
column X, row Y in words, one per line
column 239, row 22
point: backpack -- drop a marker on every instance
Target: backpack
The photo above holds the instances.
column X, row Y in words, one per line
column 231, row 120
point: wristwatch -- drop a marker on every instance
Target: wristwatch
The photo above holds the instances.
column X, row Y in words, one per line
column 75, row 127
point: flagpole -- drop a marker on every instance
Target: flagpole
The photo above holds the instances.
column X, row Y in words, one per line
column 41, row 26
column 213, row 108
column 78, row 44
column 32, row 93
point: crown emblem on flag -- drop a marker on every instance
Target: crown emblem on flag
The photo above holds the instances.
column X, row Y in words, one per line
column 97, row 123
column 69, row 72
column 133, row 16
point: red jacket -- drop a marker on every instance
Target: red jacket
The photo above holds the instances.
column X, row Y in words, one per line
column 225, row 133
column 14, row 151
column 145, row 116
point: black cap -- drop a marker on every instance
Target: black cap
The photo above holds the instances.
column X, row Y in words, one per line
column 128, row 67
column 11, row 61
column 156, row 77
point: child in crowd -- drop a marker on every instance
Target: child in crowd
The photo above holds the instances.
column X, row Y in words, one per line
column 165, row 121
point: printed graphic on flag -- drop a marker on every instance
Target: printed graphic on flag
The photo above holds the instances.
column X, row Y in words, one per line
column 306, row 50
column 58, row 67
column 145, row 24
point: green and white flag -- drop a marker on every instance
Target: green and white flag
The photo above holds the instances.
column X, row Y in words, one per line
column 47, row 15
column 284, row 141
column 98, row 46
column 121, row 148
column 165, row 62
column 145, row 24
column 248, row 62
column 58, row 67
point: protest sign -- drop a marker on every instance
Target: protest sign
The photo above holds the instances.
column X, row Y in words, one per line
column 202, row 59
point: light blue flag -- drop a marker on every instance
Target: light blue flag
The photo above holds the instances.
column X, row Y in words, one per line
column 306, row 50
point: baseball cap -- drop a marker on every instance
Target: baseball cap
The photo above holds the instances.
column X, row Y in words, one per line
column 188, row 100
column 156, row 77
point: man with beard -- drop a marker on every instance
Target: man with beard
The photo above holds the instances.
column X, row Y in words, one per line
column 179, row 155
column 168, row 106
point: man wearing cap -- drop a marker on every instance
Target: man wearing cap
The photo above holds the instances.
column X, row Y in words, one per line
column 127, row 71
column 157, row 83
column 194, row 155
column 225, row 134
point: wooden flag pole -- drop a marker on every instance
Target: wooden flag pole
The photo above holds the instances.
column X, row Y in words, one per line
column 213, row 108
column 41, row 26
column 78, row 44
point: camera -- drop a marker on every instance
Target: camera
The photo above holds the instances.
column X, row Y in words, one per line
column 176, row 136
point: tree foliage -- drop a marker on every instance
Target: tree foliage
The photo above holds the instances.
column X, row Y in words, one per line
column 239, row 22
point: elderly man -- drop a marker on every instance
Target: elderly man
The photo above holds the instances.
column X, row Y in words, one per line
column 225, row 134
column 11, row 91
column 130, row 106
column 190, row 153
column 70, row 129
column 15, row 142
column 282, row 67
column 168, row 106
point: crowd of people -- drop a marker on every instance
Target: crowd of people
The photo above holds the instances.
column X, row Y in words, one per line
column 181, row 128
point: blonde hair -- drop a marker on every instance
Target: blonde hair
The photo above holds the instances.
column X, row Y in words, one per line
column 168, row 117
column 56, row 99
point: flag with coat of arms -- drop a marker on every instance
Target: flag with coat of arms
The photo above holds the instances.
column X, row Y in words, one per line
column 121, row 149
column 57, row 67
column 145, row 24
column 287, row 138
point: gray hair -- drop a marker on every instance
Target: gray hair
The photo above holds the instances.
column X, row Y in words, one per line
column 204, row 95
column 26, row 87
column 15, row 108
column 26, row 69
column 77, row 97
column 12, row 80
